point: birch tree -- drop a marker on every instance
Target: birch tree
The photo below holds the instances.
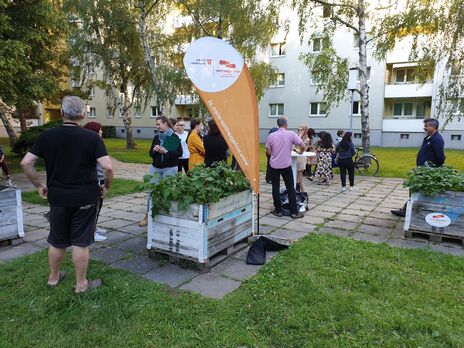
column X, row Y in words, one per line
column 328, row 69
column 106, row 34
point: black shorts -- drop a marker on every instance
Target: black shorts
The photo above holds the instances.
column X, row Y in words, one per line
column 72, row 226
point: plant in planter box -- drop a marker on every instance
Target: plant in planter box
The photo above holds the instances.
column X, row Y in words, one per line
column 201, row 185
column 433, row 180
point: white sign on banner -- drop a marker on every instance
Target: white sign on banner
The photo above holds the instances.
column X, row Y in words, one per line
column 212, row 64
column 438, row 220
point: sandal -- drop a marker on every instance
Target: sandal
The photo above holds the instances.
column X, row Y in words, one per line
column 60, row 279
column 92, row 284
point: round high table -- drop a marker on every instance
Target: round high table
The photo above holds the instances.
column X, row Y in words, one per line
column 295, row 155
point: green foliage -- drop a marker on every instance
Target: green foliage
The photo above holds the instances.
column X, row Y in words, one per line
column 27, row 138
column 433, row 180
column 201, row 185
column 109, row 132
column 32, row 34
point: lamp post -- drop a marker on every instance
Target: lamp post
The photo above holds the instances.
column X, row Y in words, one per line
column 352, row 84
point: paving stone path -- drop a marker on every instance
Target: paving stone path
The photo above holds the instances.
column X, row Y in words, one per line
column 363, row 214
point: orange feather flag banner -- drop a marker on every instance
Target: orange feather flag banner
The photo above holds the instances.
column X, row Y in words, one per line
column 224, row 84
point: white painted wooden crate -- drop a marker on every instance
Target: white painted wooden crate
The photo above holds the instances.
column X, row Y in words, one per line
column 203, row 230
column 11, row 214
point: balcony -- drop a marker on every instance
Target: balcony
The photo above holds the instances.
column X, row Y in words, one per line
column 186, row 100
column 403, row 125
column 408, row 90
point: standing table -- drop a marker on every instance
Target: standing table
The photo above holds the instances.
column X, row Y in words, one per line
column 295, row 155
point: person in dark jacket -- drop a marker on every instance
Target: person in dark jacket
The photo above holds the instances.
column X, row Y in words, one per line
column 3, row 164
column 431, row 152
column 216, row 149
column 345, row 152
column 164, row 161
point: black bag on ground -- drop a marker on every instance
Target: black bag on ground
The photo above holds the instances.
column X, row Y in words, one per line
column 301, row 200
column 257, row 252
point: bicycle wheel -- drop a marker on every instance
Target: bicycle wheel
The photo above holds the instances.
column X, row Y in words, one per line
column 367, row 165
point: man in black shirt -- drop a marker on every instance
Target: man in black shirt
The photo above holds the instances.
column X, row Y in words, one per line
column 70, row 154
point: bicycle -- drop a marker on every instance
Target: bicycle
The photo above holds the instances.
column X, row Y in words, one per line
column 365, row 164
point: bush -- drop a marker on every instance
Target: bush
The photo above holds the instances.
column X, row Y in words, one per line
column 27, row 138
column 109, row 131
column 433, row 180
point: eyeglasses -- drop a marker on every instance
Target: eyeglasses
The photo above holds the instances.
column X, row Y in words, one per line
column 180, row 125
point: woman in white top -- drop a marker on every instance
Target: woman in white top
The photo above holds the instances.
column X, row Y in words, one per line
column 179, row 128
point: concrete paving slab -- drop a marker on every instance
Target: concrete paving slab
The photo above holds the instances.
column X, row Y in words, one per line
column 270, row 220
column 11, row 253
column 334, row 231
column 138, row 264
column 345, row 225
column 369, row 237
column 350, row 218
column 407, row 244
column 287, row 234
column 136, row 245
column 172, row 275
column 456, row 251
column 115, row 224
column 235, row 269
column 379, row 222
column 211, row 285
column 107, row 255
column 376, row 230
column 36, row 235
column 117, row 237
column 298, row 225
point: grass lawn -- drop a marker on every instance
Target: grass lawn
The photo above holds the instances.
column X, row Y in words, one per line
column 323, row 291
column 394, row 162
column 119, row 187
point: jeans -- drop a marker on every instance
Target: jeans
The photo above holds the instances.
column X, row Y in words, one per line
column 162, row 172
column 346, row 164
column 287, row 175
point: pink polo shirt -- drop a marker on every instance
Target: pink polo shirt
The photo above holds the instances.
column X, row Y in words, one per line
column 280, row 143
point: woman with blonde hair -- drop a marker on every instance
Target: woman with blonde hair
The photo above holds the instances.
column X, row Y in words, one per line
column 301, row 161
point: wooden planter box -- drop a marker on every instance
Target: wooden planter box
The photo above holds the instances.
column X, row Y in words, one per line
column 440, row 216
column 203, row 230
column 11, row 214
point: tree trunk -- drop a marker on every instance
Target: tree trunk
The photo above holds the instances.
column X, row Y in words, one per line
column 5, row 115
column 364, row 87
column 22, row 120
column 146, row 48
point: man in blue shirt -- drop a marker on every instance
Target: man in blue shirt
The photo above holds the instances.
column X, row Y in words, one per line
column 430, row 154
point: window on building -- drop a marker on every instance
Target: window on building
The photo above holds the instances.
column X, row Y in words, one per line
column 313, row 81
column 408, row 109
column 316, row 45
column 154, row 112
column 280, row 82
column 398, row 109
column 90, row 69
column 456, row 137
column 368, row 73
column 420, row 110
column 318, row 109
column 109, row 111
column 278, row 49
column 357, row 135
column 404, row 136
column 138, row 131
column 123, row 130
column 405, row 76
column 193, row 112
column 75, row 83
column 276, row 110
column 138, row 111
column 93, row 112
column 356, row 108
column 92, row 91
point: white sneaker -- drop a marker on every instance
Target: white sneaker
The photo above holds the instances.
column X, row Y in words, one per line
column 100, row 238
column 101, row 230
column 343, row 189
column 352, row 188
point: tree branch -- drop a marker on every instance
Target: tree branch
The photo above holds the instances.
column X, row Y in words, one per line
column 325, row 3
column 197, row 20
column 345, row 23
column 151, row 7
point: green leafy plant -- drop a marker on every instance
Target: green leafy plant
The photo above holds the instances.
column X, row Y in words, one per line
column 27, row 138
column 433, row 180
column 201, row 185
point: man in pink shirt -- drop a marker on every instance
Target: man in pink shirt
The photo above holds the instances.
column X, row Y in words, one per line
column 279, row 146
